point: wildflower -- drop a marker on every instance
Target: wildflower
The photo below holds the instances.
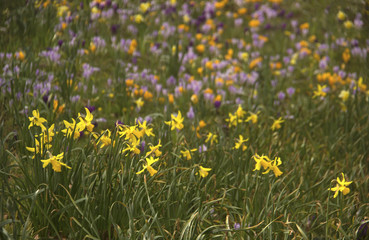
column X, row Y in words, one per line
column 132, row 147
column 55, row 162
column 131, row 133
column 36, row 120
column 149, row 162
column 138, row 18
column 262, row 161
column 320, row 91
column 72, row 128
column 232, row 120
column 48, row 135
column 254, row 23
column 39, row 147
column 139, row 103
column 341, row 15
column 155, row 150
column 176, row 122
column 204, row 171
column 200, row 48
column 212, row 138
column 348, row 24
column 273, row 166
column 341, row 186
column 240, row 142
column 194, row 99
column 240, row 112
column 253, row 117
column 86, row 121
column 20, row 55
column 145, row 130
column 344, row 95
column 144, row 7
column 104, row 138
column 277, row 124
column 187, row 153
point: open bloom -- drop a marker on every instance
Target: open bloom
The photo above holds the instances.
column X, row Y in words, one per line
column 341, row 186
column 277, row 124
column 36, row 120
column 155, row 150
column 86, row 121
column 176, row 122
column 204, row 171
column 267, row 164
column 240, row 144
column 55, row 162
column 187, row 153
column 149, row 162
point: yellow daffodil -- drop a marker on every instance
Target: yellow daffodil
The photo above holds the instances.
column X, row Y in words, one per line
column 262, row 161
column 145, row 130
column 149, row 162
column 232, row 120
column 86, row 121
column 204, row 171
column 72, row 128
column 341, row 186
column 36, row 120
column 273, row 166
column 240, row 112
column 39, row 147
column 104, row 139
column 319, row 92
column 55, row 162
column 213, row 138
column 240, row 144
column 344, row 95
column 267, row 164
column 277, row 124
column 176, row 122
column 187, row 153
column 253, row 117
column 155, row 150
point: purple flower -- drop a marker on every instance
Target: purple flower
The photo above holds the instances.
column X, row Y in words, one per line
column 190, row 114
column 281, row 95
column 290, row 91
column 237, row 226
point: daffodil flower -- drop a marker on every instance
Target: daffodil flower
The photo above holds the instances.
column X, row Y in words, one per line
column 155, row 150
column 36, row 120
column 212, row 138
column 176, row 122
column 149, row 162
column 204, row 171
column 341, row 186
column 277, row 124
column 240, row 142
column 187, row 153
column 86, row 121
column 55, row 162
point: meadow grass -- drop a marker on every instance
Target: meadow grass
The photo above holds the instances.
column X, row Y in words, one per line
column 184, row 120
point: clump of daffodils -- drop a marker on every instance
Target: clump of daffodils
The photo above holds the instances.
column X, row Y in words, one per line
column 268, row 164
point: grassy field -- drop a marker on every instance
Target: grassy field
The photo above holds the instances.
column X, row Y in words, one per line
column 242, row 119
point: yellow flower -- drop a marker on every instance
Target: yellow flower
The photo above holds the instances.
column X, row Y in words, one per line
column 155, row 150
column 145, row 130
column 200, row 48
column 262, row 161
column 341, row 186
column 274, row 167
column 72, row 128
column 277, row 124
column 36, row 120
column 176, row 122
column 212, row 138
column 149, row 162
column 341, row 15
column 344, row 95
column 55, row 162
column 144, row 7
column 253, row 117
column 48, row 135
column 267, row 164
column 39, row 148
column 348, row 24
column 104, row 138
column 86, row 121
column 232, row 120
column 240, row 112
column 240, row 142
column 139, row 103
column 204, row 171
column 320, row 92
column 138, row 18
column 187, row 153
